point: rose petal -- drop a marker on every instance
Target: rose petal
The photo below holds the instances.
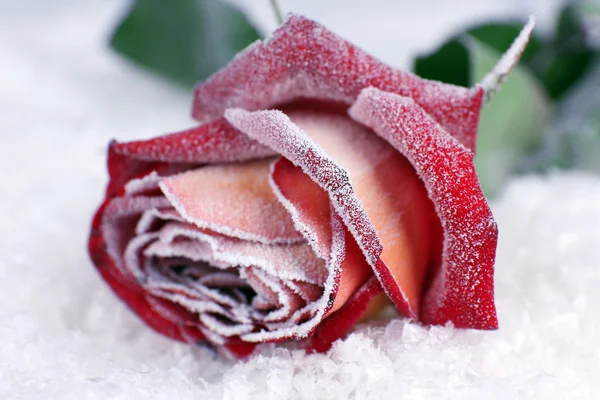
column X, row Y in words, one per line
column 340, row 323
column 306, row 202
column 304, row 60
column 364, row 160
column 391, row 193
column 214, row 142
column 291, row 261
column 235, row 200
column 123, row 168
column 274, row 129
column 132, row 293
column 304, row 321
column 462, row 290
column 118, row 223
column 309, row 205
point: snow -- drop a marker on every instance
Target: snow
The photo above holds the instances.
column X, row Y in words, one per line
column 66, row 336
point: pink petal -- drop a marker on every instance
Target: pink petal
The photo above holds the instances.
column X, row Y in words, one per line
column 287, row 261
column 392, row 195
column 462, row 289
column 304, row 60
column 274, row 129
column 214, row 142
column 372, row 187
column 133, row 294
column 235, row 200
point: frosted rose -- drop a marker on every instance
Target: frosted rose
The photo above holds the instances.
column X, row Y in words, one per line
column 318, row 179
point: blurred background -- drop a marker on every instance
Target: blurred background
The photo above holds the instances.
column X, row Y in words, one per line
column 145, row 55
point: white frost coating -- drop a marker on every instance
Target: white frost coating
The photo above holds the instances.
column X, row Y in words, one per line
column 225, row 230
column 125, row 207
column 321, row 306
column 309, row 235
column 192, row 250
column 493, row 80
column 139, row 185
column 154, row 215
column 285, row 297
column 274, row 129
column 131, row 255
column 224, row 329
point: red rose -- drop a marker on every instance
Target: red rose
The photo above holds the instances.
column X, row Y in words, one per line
column 263, row 225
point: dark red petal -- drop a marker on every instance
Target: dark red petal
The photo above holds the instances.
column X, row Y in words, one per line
column 171, row 324
column 338, row 324
column 123, row 168
column 304, row 60
column 462, row 290
column 240, row 349
column 276, row 130
column 214, row 142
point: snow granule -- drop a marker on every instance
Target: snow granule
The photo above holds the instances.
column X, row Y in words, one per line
column 66, row 336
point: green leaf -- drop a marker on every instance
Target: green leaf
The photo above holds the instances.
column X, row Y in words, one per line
column 568, row 55
column 183, row 40
column 511, row 124
column 450, row 64
column 573, row 140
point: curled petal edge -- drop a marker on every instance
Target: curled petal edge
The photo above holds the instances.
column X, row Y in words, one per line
column 461, row 288
column 304, row 60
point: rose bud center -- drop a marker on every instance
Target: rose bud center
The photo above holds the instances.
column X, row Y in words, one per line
column 256, row 250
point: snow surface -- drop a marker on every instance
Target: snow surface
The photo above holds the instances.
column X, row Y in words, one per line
column 66, row 336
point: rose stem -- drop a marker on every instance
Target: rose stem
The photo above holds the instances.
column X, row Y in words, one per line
column 277, row 11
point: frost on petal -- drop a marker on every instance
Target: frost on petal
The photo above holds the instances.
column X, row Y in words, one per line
column 304, row 60
column 131, row 292
column 461, row 289
column 306, row 202
column 392, row 195
column 122, row 169
column 274, row 129
column 235, row 200
column 337, row 325
column 214, row 142
column 310, row 207
column 373, row 188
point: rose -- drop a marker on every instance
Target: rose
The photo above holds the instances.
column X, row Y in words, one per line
column 264, row 225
